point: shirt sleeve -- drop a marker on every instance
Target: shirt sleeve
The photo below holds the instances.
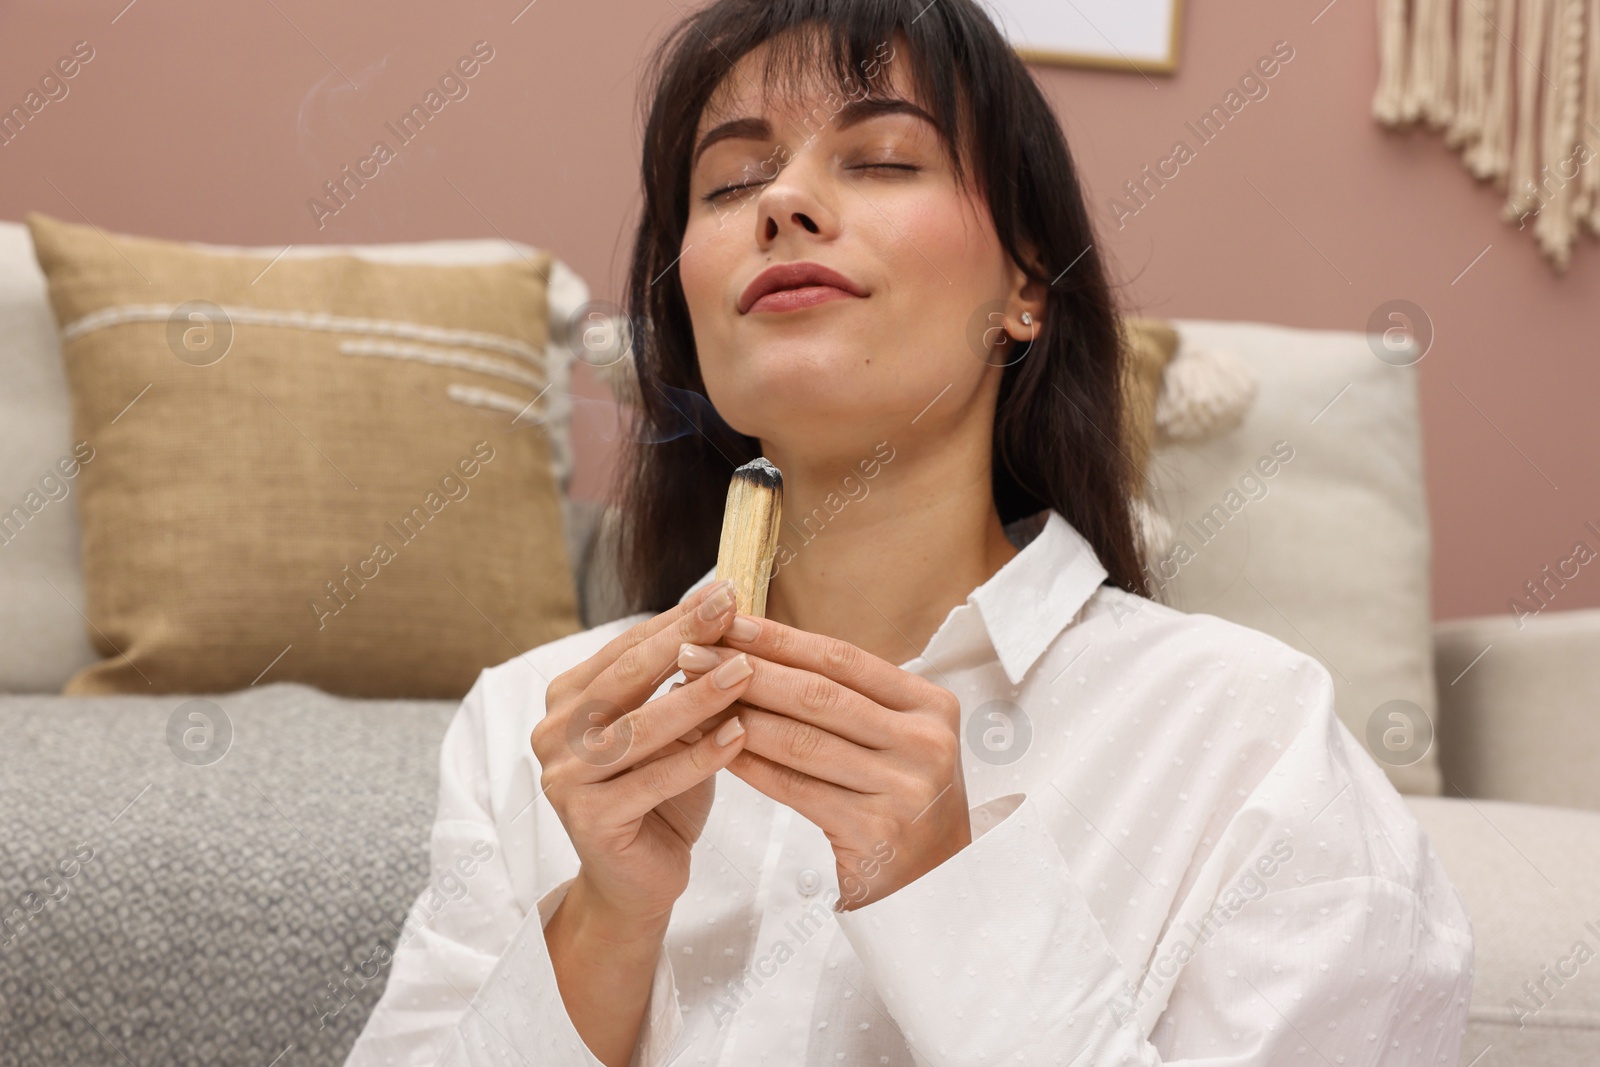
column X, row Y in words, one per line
column 996, row 957
column 471, row 980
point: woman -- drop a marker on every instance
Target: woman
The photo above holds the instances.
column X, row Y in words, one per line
column 986, row 802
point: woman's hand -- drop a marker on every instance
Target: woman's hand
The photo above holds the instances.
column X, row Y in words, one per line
column 632, row 796
column 868, row 752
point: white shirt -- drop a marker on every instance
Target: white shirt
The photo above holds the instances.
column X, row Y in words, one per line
column 1179, row 856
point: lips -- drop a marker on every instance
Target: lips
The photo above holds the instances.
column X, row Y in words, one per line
column 786, row 276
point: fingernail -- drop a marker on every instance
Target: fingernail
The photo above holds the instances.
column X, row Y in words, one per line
column 744, row 628
column 696, row 657
column 717, row 602
column 732, row 673
column 694, row 734
column 730, row 729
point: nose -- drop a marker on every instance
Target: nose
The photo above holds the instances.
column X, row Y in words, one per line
column 796, row 201
column 799, row 218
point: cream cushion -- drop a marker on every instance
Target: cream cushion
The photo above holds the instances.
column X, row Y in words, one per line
column 1330, row 551
column 1517, row 707
column 44, row 638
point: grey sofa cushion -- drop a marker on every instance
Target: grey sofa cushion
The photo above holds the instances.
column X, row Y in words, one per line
column 184, row 912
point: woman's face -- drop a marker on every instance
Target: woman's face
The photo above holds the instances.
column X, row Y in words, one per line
column 865, row 192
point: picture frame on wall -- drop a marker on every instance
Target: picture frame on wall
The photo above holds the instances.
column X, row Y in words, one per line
column 1133, row 35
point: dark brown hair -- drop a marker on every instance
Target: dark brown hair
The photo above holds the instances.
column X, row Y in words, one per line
column 1060, row 410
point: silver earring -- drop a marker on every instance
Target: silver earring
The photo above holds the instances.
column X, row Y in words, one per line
column 1027, row 318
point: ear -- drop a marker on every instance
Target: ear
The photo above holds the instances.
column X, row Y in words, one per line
column 1025, row 294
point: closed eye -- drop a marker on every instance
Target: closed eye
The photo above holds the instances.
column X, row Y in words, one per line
column 718, row 194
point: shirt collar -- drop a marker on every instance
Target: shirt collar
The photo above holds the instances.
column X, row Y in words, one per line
column 1026, row 604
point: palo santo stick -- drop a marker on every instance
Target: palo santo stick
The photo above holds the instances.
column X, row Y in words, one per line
column 750, row 533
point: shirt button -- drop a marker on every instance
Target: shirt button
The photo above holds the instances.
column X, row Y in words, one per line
column 808, row 882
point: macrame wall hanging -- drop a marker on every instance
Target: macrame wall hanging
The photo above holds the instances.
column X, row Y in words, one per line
column 1515, row 87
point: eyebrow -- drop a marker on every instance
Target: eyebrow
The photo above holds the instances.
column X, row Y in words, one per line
column 853, row 113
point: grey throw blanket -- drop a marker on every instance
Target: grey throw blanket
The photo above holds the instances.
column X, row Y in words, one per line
column 212, row 880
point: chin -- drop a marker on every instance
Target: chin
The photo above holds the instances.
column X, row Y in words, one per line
column 794, row 408
column 805, row 384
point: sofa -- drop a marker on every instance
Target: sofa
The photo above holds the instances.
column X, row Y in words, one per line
column 160, row 909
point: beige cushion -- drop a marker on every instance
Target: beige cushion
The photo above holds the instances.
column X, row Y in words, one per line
column 1330, row 552
column 41, row 619
column 1518, row 707
column 1527, row 875
column 336, row 495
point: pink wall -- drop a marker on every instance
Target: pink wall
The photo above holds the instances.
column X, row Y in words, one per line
column 216, row 122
